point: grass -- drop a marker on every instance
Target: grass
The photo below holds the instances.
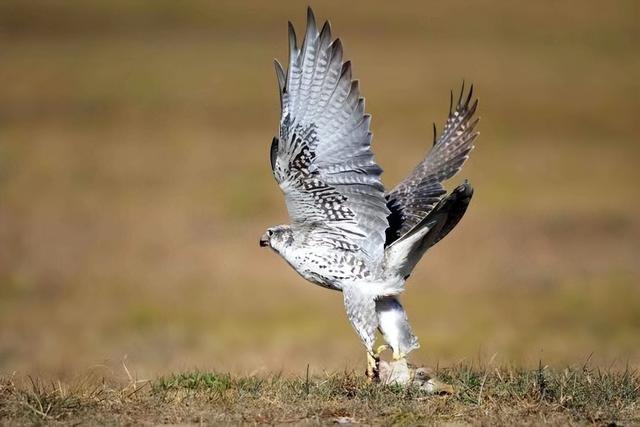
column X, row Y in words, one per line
column 484, row 394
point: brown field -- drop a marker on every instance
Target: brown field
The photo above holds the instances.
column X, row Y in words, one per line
column 135, row 182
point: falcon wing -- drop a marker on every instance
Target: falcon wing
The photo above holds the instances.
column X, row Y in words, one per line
column 412, row 199
column 323, row 159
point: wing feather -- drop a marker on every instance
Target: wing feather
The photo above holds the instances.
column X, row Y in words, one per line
column 282, row 79
column 323, row 159
column 413, row 199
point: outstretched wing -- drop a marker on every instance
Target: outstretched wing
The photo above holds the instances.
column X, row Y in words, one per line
column 323, row 159
column 412, row 199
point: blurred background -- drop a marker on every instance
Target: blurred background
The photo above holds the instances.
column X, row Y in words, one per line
column 135, row 183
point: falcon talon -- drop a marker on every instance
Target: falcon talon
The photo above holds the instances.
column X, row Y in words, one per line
column 347, row 234
column 397, row 356
column 373, row 367
column 381, row 349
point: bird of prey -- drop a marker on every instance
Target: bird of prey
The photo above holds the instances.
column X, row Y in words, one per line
column 346, row 232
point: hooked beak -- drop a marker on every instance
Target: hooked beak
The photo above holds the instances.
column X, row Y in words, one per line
column 264, row 240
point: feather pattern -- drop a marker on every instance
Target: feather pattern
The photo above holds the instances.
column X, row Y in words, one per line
column 322, row 159
column 413, row 199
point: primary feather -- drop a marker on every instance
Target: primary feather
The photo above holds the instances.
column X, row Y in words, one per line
column 412, row 199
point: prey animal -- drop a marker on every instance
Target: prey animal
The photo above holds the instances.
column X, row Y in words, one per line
column 346, row 232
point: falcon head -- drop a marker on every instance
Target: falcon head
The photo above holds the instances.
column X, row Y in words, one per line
column 277, row 237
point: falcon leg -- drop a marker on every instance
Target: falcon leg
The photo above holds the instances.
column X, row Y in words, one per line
column 373, row 366
column 361, row 312
column 373, row 362
column 395, row 327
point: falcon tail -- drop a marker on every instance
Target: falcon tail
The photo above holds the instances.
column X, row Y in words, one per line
column 403, row 254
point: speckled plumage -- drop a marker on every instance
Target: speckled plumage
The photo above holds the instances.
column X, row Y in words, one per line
column 346, row 234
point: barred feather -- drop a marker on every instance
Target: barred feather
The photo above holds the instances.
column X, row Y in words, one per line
column 413, row 199
column 323, row 159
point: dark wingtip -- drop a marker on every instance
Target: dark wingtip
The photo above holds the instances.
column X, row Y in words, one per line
column 282, row 79
column 468, row 107
column 336, row 47
column 469, row 96
column 279, row 74
column 450, row 102
column 311, row 23
column 464, row 191
column 273, row 152
column 355, row 85
column 326, row 30
column 293, row 40
column 434, row 133
column 473, row 108
column 461, row 92
column 346, row 69
column 310, row 15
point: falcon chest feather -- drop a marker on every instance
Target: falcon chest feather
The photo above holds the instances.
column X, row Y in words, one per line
column 324, row 265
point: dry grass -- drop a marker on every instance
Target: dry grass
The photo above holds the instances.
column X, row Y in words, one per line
column 484, row 395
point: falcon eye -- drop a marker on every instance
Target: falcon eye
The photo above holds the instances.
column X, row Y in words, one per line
column 270, row 232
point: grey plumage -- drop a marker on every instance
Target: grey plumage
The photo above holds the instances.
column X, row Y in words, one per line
column 422, row 189
column 324, row 163
column 346, row 233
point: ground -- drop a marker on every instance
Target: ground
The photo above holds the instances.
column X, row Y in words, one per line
column 484, row 395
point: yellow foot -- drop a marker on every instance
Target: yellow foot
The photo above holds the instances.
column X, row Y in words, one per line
column 397, row 356
column 384, row 347
column 381, row 349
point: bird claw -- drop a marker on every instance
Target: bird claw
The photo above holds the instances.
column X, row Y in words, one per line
column 397, row 356
column 384, row 347
column 373, row 361
column 381, row 349
column 373, row 367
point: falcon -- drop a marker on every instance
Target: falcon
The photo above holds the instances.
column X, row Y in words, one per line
column 346, row 232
